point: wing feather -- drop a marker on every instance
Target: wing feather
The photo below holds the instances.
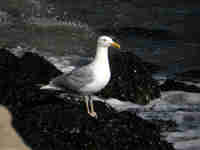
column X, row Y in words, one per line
column 74, row 80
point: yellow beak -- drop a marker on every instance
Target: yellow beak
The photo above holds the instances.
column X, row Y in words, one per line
column 114, row 44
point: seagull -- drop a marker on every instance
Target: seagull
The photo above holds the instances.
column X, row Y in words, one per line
column 90, row 78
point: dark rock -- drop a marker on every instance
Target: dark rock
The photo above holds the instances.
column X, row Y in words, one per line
column 67, row 126
column 8, row 61
column 8, row 67
column 130, row 79
column 152, row 68
column 46, row 121
column 171, row 85
column 36, row 69
column 191, row 75
column 30, row 69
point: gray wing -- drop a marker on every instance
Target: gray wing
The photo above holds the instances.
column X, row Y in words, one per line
column 75, row 79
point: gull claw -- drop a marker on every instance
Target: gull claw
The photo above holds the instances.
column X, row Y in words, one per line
column 93, row 114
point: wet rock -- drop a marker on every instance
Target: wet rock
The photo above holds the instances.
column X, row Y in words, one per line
column 152, row 68
column 46, row 121
column 22, row 71
column 191, row 75
column 40, row 74
column 67, row 126
column 187, row 81
column 173, row 85
column 130, row 79
column 8, row 69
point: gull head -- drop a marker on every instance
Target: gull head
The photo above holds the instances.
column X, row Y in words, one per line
column 105, row 41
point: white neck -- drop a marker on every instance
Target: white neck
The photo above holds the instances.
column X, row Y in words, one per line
column 101, row 57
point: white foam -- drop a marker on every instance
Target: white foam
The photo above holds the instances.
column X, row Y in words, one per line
column 188, row 145
column 123, row 106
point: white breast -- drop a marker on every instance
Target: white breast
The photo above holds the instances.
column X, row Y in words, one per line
column 101, row 71
column 101, row 78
